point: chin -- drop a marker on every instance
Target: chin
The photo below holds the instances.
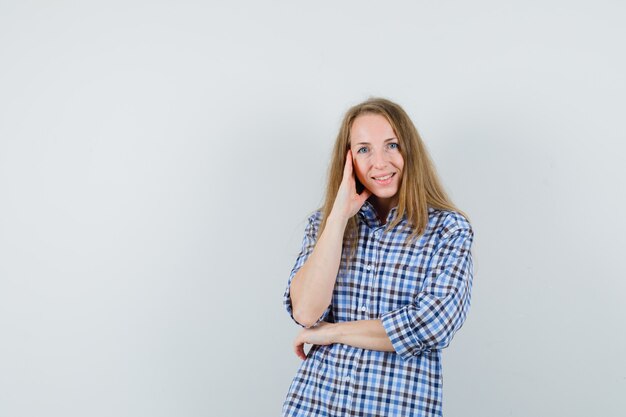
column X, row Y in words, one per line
column 384, row 194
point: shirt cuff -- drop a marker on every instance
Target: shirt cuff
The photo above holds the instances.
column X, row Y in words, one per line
column 398, row 326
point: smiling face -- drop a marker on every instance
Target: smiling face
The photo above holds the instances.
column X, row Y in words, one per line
column 377, row 160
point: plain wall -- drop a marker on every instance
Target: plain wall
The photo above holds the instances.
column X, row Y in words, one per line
column 158, row 160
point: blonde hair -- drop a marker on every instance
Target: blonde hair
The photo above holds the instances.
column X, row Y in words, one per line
column 420, row 186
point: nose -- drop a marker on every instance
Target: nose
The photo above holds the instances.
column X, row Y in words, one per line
column 379, row 159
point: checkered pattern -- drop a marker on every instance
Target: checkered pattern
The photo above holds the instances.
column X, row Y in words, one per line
column 420, row 291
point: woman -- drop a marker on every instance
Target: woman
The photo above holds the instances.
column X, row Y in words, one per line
column 384, row 277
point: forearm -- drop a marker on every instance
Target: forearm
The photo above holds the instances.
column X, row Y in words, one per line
column 365, row 334
column 312, row 286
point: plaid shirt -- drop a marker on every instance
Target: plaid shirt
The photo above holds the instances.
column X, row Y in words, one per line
column 420, row 291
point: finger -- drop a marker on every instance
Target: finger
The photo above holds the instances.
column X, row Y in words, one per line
column 298, row 346
column 365, row 194
column 347, row 168
column 301, row 353
column 299, row 350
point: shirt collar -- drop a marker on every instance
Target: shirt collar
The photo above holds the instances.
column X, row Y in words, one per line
column 368, row 213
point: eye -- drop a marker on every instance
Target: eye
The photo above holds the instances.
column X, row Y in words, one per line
column 394, row 145
column 362, row 149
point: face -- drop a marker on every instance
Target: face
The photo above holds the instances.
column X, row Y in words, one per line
column 376, row 155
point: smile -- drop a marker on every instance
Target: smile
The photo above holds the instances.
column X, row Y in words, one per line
column 385, row 179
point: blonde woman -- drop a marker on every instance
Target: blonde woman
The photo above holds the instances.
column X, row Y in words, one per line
column 384, row 277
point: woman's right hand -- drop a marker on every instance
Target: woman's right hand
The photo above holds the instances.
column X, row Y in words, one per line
column 348, row 202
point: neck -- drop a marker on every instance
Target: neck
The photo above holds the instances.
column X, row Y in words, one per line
column 383, row 206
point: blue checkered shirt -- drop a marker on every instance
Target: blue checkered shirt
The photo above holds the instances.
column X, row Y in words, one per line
column 420, row 291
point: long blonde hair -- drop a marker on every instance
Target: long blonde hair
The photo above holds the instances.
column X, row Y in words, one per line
column 420, row 187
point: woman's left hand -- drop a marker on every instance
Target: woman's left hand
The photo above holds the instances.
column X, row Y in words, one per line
column 322, row 334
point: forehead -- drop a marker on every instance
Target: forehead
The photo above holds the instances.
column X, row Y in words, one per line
column 371, row 128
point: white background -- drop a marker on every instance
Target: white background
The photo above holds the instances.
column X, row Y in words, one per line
column 158, row 160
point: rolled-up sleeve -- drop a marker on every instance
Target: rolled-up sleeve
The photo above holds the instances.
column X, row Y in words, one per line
column 441, row 306
column 308, row 243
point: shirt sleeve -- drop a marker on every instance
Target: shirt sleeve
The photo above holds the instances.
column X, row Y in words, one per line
column 441, row 306
column 308, row 243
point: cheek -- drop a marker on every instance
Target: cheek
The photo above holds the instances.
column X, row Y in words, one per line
column 400, row 162
column 358, row 170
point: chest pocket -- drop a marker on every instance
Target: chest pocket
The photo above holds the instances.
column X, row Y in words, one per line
column 402, row 275
column 351, row 274
column 400, row 283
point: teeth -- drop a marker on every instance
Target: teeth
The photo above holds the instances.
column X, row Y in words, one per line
column 383, row 178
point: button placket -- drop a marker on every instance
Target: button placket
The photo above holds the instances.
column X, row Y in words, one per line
column 371, row 259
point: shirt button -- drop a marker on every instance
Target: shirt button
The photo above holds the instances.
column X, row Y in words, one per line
column 364, row 308
column 369, row 267
column 376, row 233
column 346, row 378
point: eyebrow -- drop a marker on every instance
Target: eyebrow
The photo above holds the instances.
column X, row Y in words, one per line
column 367, row 143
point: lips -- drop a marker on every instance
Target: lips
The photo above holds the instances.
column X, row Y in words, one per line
column 384, row 179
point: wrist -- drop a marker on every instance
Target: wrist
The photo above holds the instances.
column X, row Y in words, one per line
column 336, row 333
column 335, row 220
